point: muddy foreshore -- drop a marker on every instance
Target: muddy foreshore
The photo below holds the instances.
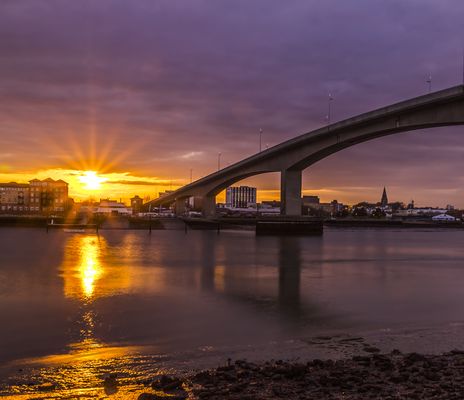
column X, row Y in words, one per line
column 375, row 376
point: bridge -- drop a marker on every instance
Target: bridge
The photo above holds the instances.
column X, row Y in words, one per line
column 290, row 158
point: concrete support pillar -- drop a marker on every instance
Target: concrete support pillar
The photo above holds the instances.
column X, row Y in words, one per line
column 209, row 206
column 179, row 208
column 290, row 192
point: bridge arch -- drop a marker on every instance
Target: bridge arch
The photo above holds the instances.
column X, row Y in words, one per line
column 290, row 158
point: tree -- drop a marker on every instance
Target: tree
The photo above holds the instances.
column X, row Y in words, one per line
column 378, row 213
column 359, row 212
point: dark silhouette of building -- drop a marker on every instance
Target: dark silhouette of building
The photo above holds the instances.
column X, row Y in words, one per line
column 136, row 204
column 310, row 201
column 48, row 195
column 384, row 200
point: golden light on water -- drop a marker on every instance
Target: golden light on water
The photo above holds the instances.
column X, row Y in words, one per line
column 90, row 267
column 82, row 267
column 90, row 272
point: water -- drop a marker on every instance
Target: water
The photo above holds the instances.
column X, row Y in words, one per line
column 76, row 306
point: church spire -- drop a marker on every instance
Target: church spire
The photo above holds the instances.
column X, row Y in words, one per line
column 384, row 200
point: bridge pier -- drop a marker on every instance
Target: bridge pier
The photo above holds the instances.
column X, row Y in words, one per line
column 179, row 207
column 209, row 206
column 290, row 192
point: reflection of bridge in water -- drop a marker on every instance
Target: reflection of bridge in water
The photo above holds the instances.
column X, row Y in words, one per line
column 279, row 293
column 290, row 158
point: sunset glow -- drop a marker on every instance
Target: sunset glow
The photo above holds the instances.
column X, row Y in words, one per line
column 91, row 180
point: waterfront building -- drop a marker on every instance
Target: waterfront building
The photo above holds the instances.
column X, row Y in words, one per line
column 241, row 196
column 136, row 204
column 420, row 212
column 38, row 197
column 112, row 207
column 271, row 203
column 311, row 201
column 443, row 218
column 14, row 198
column 48, row 196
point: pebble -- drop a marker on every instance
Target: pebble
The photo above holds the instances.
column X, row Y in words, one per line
column 387, row 376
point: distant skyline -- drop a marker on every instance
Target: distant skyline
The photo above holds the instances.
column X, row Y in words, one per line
column 142, row 92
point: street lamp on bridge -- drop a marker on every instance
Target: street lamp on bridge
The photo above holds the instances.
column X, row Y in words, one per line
column 329, row 109
column 429, row 81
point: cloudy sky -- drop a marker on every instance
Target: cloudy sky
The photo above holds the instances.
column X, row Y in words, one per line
column 144, row 91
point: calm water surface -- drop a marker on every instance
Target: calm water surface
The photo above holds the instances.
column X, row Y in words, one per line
column 75, row 306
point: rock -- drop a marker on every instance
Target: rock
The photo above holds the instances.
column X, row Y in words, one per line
column 316, row 363
column 413, row 358
column 202, row 377
column 362, row 360
column 431, row 376
column 371, row 349
column 229, row 376
column 226, row 368
column 294, row 371
column 110, row 381
column 396, row 378
column 46, row 387
column 167, row 383
column 110, row 384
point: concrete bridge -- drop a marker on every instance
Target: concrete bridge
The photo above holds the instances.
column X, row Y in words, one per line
column 290, row 158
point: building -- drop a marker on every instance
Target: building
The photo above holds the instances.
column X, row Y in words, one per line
column 443, row 218
column 240, row 196
column 136, row 204
column 311, row 201
column 112, row 207
column 37, row 197
column 48, row 196
column 384, row 199
column 14, row 198
column 270, row 204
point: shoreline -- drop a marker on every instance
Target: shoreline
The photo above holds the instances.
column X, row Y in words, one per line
column 393, row 375
column 372, row 375
column 229, row 224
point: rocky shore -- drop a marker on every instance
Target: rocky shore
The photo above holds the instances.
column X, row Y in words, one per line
column 375, row 376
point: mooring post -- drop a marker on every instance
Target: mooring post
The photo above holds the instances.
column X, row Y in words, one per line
column 149, row 224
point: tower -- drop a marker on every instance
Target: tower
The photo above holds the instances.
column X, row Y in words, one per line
column 384, row 200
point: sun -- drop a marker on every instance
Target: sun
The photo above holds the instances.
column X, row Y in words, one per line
column 91, row 180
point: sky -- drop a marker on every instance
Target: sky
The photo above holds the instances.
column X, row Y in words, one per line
column 148, row 92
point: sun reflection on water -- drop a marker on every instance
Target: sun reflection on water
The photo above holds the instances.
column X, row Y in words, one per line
column 94, row 268
column 90, row 266
column 82, row 267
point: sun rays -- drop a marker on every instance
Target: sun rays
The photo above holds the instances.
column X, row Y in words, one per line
column 91, row 180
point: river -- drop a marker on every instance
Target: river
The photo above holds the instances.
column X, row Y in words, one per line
column 76, row 306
